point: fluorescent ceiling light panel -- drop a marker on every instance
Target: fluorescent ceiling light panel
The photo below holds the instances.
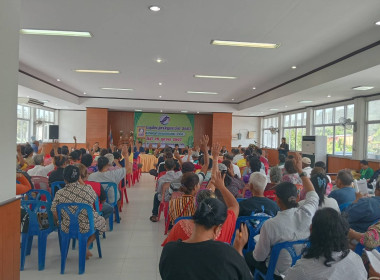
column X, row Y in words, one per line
column 273, row 109
column 184, row 111
column 123, row 89
column 363, row 88
column 305, row 101
column 202, row 92
column 97, row 71
column 377, row 23
column 138, row 110
column 244, row 44
column 154, row 8
column 215, row 77
column 55, row 33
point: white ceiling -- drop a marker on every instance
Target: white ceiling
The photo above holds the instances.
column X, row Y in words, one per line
column 128, row 37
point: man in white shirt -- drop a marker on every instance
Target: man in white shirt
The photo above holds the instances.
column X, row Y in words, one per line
column 237, row 156
column 39, row 169
column 306, row 162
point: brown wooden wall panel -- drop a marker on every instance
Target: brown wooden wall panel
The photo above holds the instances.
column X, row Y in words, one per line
column 49, row 146
column 202, row 126
column 222, row 129
column 96, row 126
column 117, row 121
column 10, row 241
column 335, row 164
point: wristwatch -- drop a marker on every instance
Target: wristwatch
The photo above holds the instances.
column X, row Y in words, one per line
column 302, row 174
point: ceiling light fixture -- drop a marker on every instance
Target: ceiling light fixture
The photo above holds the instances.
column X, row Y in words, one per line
column 262, row 112
column 377, row 22
column 97, row 71
column 160, row 96
column 253, row 88
column 55, row 33
column 197, row 112
column 305, row 101
column 123, row 89
column 244, row 44
column 184, row 111
column 138, row 110
column 329, row 96
column 58, row 80
column 363, row 88
column 233, row 99
column 45, row 101
column 286, row 106
column 160, row 84
column 202, row 92
column 159, row 60
column 215, row 77
column 273, row 109
column 154, row 8
column 84, row 93
column 294, row 67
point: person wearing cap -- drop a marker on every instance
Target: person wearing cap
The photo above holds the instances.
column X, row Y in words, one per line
column 75, row 192
column 306, row 162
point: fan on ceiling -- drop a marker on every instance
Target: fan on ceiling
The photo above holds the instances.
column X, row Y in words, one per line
column 273, row 130
column 347, row 123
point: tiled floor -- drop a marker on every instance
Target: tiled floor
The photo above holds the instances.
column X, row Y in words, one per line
column 131, row 251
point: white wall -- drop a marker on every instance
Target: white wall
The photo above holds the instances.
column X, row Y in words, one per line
column 72, row 123
column 9, row 44
column 243, row 125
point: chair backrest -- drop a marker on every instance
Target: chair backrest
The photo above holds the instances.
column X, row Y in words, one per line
column 254, row 224
column 38, row 195
column 289, row 246
column 72, row 210
column 240, row 199
column 344, row 206
column 40, row 183
column 33, row 208
column 183, row 218
column 56, row 186
column 97, row 205
column 108, row 186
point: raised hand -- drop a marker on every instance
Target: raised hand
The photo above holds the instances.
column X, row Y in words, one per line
column 298, row 162
column 215, row 150
column 204, row 142
column 217, row 179
column 177, row 155
column 75, row 138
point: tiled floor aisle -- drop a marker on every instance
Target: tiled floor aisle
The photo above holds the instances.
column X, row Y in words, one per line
column 131, row 252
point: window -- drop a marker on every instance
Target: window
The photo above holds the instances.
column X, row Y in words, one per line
column 373, row 130
column 44, row 118
column 327, row 122
column 294, row 129
column 270, row 136
column 23, row 124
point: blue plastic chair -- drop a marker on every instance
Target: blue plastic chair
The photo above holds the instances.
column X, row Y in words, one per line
column 38, row 195
column 183, row 218
column 32, row 207
column 108, row 186
column 359, row 249
column 74, row 232
column 344, row 206
column 289, row 246
column 56, row 186
column 240, row 199
column 254, row 224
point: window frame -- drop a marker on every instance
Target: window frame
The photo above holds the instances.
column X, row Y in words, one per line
column 296, row 127
column 274, row 137
column 367, row 123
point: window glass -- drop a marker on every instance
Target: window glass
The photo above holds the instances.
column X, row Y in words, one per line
column 339, row 140
column 373, row 146
column 286, row 121
column 304, row 119
column 319, row 131
column 329, row 132
column 299, row 119
column 350, row 111
column 373, row 110
column 339, row 113
column 265, row 123
column 292, row 120
column 349, row 142
column 300, row 132
column 22, row 131
column 328, row 116
column 318, row 117
column 19, row 111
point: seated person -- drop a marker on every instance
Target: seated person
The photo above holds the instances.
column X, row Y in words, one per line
column 320, row 182
column 369, row 239
column 275, row 178
column 39, row 169
column 161, row 167
column 75, row 156
column 321, row 164
column 139, row 149
column 236, row 155
column 345, row 192
column 236, row 169
column 184, row 205
column 258, row 203
column 28, row 155
column 366, row 172
column 22, row 184
column 200, row 257
column 306, row 162
column 104, row 207
column 291, row 223
column 104, row 175
column 170, row 176
column 282, row 159
column 328, row 256
column 364, row 212
column 253, row 165
column 183, row 229
column 291, row 174
column 233, row 184
column 60, row 162
column 87, row 161
column 243, row 162
column 263, row 160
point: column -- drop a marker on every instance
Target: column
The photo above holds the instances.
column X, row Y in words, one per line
column 222, row 129
column 97, row 126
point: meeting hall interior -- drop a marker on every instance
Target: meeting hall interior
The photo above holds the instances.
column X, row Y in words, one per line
column 186, row 140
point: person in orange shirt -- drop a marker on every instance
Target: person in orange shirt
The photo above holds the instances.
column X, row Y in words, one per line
column 22, row 184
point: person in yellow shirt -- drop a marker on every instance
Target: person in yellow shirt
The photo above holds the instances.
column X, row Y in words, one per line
column 242, row 164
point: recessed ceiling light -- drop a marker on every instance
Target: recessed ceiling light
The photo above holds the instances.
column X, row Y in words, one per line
column 55, row 33
column 154, row 8
column 252, row 114
column 273, row 109
column 28, row 96
column 138, row 110
column 56, row 104
column 123, row 89
column 197, row 112
column 201, row 92
column 377, row 23
column 253, row 88
column 294, row 67
column 160, row 84
column 45, row 101
column 244, row 44
column 97, row 71
column 286, row 106
column 362, row 88
column 184, row 111
column 262, row 112
column 215, row 77
column 84, row 93
column 159, row 60
column 58, row 80
column 329, row 96
column 305, row 101
column 233, row 99
column 160, row 96
column 161, row 111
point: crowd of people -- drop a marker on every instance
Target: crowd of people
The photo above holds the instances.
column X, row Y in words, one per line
column 206, row 189
column 203, row 186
